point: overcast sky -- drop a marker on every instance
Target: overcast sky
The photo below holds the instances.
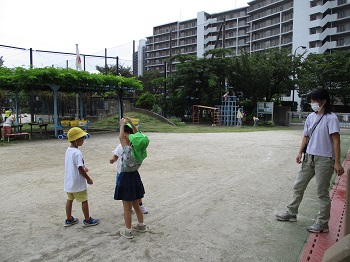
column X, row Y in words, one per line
column 57, row 25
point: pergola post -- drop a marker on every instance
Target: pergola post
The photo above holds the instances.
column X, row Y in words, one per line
column 55, row 107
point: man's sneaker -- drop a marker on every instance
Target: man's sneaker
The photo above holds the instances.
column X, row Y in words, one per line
column 91, row 222
column 319, row 228
column 144, row 209
column 73, row 221
column 139, row 228
column 125, row 233
column 286, row 216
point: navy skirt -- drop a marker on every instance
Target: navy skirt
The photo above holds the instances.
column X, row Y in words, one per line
column 129, row 187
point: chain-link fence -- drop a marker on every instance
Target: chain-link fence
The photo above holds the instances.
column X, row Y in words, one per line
column 23, row 57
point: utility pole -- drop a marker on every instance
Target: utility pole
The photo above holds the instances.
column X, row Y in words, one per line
column 106, row 69
column 164, row 95
column 170, row 50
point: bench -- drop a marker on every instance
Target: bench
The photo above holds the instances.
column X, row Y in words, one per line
column 17, row 134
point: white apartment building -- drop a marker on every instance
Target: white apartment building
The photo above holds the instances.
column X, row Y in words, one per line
column 299, row 26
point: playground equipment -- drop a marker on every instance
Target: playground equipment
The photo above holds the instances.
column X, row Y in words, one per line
column 198, row 111
column 224, row 114
column 228, row 109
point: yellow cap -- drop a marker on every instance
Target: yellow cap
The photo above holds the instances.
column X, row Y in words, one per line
column 75, row 133
column 8, row 113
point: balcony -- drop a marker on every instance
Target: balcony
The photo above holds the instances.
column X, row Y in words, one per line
column 322, row 22
column 323, row 35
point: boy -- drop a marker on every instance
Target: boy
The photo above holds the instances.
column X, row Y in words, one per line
column 76, row 178
column 117, row 153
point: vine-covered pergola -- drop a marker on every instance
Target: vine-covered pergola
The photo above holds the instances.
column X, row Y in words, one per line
column 63, row 80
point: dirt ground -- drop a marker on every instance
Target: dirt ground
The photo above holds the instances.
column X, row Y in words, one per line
column 211, row 197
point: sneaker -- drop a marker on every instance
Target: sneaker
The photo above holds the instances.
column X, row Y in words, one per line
column 319, row 228
column 139, row 228
column 91, row 222
column 125, row 233
column 286, row 216
column 144, row 209
column 73, row 221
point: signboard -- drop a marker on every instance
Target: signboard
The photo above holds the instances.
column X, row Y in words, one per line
column 265, row 108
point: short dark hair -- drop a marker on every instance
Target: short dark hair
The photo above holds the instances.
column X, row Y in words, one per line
column 128, row 129
column 321, row 94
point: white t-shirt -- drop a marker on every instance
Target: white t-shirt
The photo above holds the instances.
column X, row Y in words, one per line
column 321, row 143
column 118, row 152
column 73, row 180
column 8, row 121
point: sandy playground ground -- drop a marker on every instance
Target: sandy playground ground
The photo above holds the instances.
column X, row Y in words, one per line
column 211, row 197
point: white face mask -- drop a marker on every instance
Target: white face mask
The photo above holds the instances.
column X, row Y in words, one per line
column 316, row 107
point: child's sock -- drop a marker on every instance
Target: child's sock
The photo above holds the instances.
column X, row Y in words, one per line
column 128, row 229
column 141, row 224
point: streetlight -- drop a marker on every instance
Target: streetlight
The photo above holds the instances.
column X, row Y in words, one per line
column 295, row 52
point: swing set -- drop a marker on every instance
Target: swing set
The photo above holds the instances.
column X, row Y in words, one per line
column 198, row 111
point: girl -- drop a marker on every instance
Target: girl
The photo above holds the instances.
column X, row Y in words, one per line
column 130, row 188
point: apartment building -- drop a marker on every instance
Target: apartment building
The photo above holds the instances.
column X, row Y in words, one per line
column 319, row 25
column 170, row 39
column 270, row 24
column 195, row 37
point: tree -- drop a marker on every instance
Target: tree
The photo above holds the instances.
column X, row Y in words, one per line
column 330, row 71
column 124, row 71
column 153, row 82
column 262, row 75
column 1, row 61
column 146, row 101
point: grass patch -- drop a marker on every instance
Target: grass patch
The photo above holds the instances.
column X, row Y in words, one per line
column 150, row 124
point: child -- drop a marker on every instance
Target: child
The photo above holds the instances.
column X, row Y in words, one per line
column 239, row 116
column 130, row 188
column 117, row 153
column 76, row 178
column 6, row 126
column 255, row 119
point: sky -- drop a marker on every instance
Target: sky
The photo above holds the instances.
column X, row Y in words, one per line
column 58, row 25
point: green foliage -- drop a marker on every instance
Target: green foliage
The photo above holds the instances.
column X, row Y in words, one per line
column 153, row 82
column 69, row 80
column 261, row 75
column 146, row 101
column 248, row 106
column 115, row 70
column 328, row 70
column 156, row 109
